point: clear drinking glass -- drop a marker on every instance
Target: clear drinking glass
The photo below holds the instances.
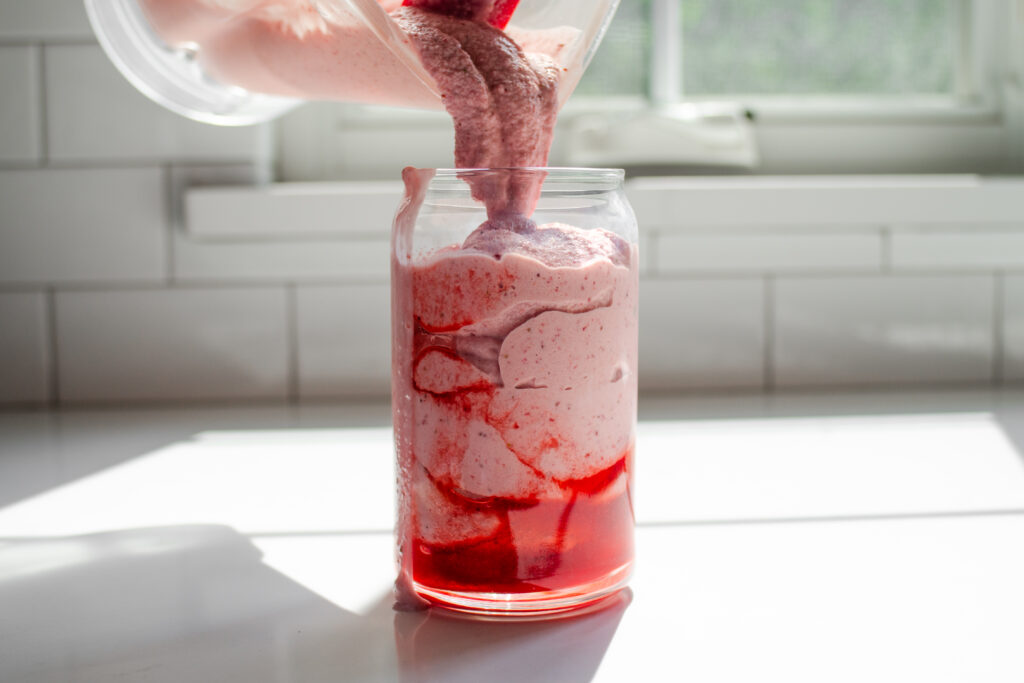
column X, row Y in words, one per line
column 514, row 383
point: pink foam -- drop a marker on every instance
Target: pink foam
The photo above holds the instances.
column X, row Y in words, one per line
column 489, row 296
column 442, row 372
column 565, row 351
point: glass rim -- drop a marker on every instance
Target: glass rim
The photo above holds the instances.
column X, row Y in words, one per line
column 567, row 172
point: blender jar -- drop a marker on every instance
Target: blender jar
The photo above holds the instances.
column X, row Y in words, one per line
column 236, row 62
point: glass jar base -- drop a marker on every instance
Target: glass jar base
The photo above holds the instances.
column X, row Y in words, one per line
column 536, row 604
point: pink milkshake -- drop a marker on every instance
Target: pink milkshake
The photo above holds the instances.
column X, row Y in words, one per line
column 514, row 358
column 514, row 393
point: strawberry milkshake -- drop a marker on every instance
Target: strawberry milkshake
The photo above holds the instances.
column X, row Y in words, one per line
column 514, row 396
column 514, row 354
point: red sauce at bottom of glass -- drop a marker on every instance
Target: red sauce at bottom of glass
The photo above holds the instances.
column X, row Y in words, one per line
column 544, row 545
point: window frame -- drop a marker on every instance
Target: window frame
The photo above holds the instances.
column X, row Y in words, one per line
column 977, row 111
column 978, row 128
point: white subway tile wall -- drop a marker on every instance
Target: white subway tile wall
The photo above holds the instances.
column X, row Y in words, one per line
column 702, row 334
column 351, row 208
column 1013, row 327
column 647, row 253
column 117, row 284
column 895, row 329
column 60, row 225
column 969, row 247
column 282, row 261
column 93, row 113
column 343, row 340
column 748, row 251
column 172, row 344
column 43, row 19
column 20, row 110
column 24, row 347
column 774, row 202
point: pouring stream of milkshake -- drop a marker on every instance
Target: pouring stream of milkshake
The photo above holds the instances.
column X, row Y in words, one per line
column 514, row 356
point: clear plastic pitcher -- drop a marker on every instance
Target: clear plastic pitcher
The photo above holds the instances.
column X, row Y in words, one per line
column 229, row 61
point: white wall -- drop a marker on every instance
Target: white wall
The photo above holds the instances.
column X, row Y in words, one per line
column 108, row 293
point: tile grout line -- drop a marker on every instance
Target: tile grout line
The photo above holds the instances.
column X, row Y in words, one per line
column 44, row 116
column 998, row 328
column 886, row 247
column 236, row 282
column 292, row 308
column 123, row 163
column 189, row 284
column 768, row 321
column 53, row 349
column 817, row 519
column 651, row 271
column 49, row 40
column 172, row 216
column 653, row 524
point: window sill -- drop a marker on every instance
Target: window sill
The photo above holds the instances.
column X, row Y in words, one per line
column 291, row 211
column 923, row 109
column 343, row 210
column 772, row 136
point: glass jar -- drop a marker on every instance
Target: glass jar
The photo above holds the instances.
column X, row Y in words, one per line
column 514, row 385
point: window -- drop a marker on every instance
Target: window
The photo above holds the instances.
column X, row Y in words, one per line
column 770, row 86
column 621, row 65
column 793, row 47
column 815, row 46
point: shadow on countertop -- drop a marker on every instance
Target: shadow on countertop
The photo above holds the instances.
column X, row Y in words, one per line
column 434, row 646
column 197, row 603
column 181, row 603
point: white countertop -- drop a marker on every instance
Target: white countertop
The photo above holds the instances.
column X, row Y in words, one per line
column 859, row 537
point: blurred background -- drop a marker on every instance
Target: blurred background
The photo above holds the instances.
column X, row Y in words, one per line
column 798, row 47
column 829, row 194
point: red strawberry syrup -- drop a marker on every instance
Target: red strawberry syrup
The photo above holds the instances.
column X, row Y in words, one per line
column 559, row 543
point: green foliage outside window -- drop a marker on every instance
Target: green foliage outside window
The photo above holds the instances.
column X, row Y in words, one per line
column 787, row 47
